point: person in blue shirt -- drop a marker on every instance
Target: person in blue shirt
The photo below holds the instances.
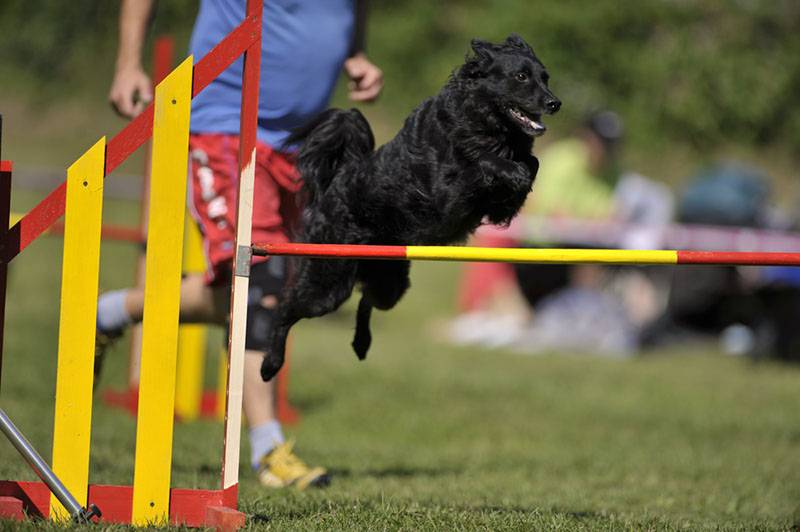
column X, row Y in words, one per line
column 306, row 44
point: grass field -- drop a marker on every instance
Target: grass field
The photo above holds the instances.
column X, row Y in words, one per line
column 427, row 436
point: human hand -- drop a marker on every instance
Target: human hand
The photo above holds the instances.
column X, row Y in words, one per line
column 366, row 79
column 131, row 91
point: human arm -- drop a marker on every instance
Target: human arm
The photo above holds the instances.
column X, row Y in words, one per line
column 366, row 79
column 131, row 90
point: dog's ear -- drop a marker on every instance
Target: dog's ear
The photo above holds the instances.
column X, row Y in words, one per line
column 484, row 50
column 476, row 66
column 518, row 42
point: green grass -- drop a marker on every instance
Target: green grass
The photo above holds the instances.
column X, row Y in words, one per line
column 427, row 436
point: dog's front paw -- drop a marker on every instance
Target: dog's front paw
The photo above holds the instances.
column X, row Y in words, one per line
column 270, row 366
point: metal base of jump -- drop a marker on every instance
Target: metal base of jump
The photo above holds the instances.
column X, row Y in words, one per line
column 51, row 481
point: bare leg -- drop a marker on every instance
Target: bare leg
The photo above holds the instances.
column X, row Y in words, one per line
column 258, row 396
column 200, row 303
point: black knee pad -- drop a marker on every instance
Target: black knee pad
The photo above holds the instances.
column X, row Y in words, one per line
column 266, row 279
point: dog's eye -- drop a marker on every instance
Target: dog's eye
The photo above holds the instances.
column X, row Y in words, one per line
column 522, row 76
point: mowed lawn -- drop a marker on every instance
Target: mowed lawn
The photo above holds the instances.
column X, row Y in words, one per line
column 425, row 436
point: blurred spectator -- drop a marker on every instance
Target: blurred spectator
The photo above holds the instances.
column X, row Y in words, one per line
column 575, row 307
column 750, row 310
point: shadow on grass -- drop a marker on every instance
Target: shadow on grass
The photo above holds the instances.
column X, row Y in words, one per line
column 307, row 402
column 260, row 519
column 581, row 515
column 573, row 515
column 396, row 472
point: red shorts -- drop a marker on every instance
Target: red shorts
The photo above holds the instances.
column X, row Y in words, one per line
column 214, row 185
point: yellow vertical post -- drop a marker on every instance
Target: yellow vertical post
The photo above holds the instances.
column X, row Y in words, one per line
column 80, row 272
column 152, row 469
column 191, row 336
column 222, row 384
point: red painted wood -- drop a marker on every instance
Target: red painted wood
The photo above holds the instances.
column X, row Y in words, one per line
column 119, row 148
column 739, row 258
column 5, row 215
column 35, row 496
column 129, row 139
column 163, row 52
column 37, row 221
column 225, row 53
column 224, row 519
column 187, row 506
column 11, row 508
column 107, row 232
column 250, row 80
column 115, row 502
column 285, row 412
column 6, row 166
column 125, row 400
column 332, row 250
column 230, row 496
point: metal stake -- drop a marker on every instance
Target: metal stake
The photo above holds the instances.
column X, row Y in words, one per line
column 18, row 440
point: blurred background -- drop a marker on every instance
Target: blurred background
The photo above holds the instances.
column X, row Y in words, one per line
column 705, row 99
column 692, row 80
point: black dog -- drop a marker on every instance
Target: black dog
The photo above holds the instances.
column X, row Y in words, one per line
column 462, row 156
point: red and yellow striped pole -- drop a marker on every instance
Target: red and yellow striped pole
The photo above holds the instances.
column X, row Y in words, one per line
column 530, row 255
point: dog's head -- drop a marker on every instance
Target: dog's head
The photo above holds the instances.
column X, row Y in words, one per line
column 515, row 81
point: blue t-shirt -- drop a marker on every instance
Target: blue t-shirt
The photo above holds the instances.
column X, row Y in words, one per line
column 304, row 44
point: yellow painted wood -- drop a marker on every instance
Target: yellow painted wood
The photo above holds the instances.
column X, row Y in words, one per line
column 76, row 331
column 152, row 470
column 191, row 363
column 194, row 259
column 543, row 256
column 222, row 383
column 191, row 337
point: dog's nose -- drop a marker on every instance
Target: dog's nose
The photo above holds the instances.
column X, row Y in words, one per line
column 553, row 105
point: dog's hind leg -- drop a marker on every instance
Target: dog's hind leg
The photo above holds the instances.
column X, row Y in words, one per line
column 363, row 337
column 320, row 287
column 384, row 283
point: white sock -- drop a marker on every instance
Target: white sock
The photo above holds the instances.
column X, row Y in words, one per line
column 111, row 313
column 264, row 438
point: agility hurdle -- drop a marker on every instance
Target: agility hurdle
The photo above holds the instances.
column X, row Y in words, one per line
column 150, row 500
column 530, row 255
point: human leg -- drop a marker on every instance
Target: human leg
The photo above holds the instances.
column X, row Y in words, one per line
column 206, row 297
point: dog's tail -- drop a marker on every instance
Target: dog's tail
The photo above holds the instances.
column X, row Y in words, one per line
column 334, row 139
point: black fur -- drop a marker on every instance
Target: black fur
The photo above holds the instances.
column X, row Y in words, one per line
column 462, row 156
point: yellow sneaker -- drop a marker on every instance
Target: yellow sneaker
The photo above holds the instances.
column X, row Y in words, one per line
column 281, row 468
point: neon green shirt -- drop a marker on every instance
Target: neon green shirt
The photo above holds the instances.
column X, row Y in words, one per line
column 564, row 185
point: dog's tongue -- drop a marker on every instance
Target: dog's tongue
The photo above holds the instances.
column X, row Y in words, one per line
column 537, row 127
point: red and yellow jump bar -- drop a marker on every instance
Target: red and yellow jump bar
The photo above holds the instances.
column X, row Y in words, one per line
column 527, row 255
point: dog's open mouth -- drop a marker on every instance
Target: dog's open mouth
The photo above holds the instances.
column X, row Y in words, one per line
column 531, row 124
